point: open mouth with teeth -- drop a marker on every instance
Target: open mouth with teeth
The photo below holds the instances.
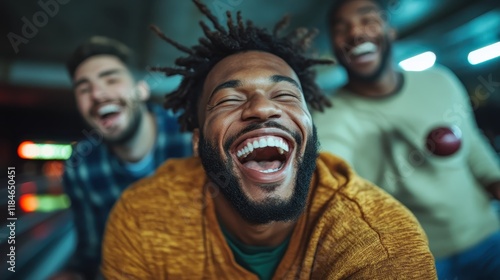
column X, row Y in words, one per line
column 266, row 154
column 108, row 113
column 363, row 52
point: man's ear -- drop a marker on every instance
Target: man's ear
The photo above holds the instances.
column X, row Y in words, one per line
column 195, row 140
column 144, row 91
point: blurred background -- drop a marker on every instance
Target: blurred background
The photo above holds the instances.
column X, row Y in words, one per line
column 40, row 120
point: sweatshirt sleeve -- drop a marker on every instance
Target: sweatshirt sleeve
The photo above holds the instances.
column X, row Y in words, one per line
column 364, row 233
column 390, row 244
column 481, row 158
column 123, row 255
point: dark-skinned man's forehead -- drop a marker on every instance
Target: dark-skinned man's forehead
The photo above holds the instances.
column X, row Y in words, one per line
column 372, row 7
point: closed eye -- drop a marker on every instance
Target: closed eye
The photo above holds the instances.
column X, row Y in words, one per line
column 112, row 81
column 82, row 89
column 286, row 96
column 368, row 21
column 225, row 102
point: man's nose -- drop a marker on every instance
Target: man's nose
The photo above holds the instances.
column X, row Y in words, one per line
column 357, row 31
column 260, row 107
column 98, row 92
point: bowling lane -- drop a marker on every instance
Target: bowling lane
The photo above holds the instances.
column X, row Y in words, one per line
column 42, row 238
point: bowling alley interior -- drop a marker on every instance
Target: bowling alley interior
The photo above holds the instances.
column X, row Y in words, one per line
column 41, row 124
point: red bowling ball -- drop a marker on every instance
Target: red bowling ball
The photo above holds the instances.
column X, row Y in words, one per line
column 444, row 141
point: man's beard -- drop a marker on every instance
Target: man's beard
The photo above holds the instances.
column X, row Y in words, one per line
column 271, row 209
column 384, row 63
column 136, row 108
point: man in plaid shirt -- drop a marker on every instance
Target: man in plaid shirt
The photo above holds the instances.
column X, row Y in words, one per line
column 128, row 139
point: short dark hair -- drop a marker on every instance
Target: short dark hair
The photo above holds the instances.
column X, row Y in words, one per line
column 336, row 5
column 239, row 37
column 98, row 45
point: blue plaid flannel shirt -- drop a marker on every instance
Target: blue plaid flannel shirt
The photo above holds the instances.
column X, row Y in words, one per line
column 94, row 179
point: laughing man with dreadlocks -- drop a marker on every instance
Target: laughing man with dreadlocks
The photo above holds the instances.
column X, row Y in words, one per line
column 258, row 201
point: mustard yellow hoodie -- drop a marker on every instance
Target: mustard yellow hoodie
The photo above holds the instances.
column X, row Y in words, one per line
column 165, row 227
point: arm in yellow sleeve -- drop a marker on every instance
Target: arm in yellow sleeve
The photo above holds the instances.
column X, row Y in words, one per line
column 123, row 253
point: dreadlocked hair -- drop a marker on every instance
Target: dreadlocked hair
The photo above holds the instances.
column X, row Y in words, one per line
column 239, row 37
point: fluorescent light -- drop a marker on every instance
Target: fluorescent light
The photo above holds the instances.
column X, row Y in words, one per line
column 43, row 202
column 484, row 54
column 30, row 150
column 419, row 62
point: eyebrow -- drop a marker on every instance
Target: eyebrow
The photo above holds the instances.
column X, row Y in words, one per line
column 280, row 78
column 228, row 84
column 101, row 75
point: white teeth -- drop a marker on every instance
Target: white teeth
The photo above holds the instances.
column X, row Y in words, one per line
column 270, row 170
column 270, row 142
column 284, row 146
column 366, row 47
column 262, row 143
column 256, row 144
column 108, row 108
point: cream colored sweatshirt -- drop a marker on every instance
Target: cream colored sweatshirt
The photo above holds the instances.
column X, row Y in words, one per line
column 384, row 140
